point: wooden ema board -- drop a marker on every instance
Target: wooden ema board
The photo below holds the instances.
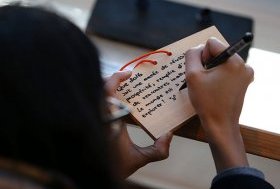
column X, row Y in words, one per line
column 152, row 92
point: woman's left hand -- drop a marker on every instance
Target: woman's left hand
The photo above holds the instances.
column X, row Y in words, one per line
column 130, row 156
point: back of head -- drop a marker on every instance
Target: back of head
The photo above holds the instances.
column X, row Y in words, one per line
column 51, row 95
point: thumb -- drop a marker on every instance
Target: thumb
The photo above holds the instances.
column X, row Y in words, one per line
column 114, row 81
column 121, row 75
column 159, row 150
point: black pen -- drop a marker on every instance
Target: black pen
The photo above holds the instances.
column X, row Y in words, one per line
column 226, row 54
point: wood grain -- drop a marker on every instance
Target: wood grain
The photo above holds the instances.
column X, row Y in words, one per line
column 152, row 92
column 257, row 142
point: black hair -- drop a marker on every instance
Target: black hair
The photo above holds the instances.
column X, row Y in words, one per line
column 51, row 96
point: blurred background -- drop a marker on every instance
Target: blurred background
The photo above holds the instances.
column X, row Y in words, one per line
column 190, row 165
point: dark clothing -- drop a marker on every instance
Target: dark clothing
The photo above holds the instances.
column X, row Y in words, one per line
column 240, row 182
column 239, row 178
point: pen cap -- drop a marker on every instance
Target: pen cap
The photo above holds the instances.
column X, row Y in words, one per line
column 248, row 37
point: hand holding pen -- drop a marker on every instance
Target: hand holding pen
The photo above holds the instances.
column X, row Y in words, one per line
column 226, row 54
column 217, row 96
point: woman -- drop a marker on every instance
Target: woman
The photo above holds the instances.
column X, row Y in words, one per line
column 52, row 100
column 54, row 114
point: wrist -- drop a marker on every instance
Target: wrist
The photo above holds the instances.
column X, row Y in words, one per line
column 220, row 129
column 226, row 145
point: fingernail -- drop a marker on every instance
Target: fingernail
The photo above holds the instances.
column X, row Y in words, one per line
column 200, row 45
column 127, row 71
column 215, row 38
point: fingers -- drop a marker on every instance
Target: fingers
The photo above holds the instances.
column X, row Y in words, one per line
column 202, row 53
column 121, row 75
column 250, row 72
column 193, row 59
column 159, row 150
column 114, row 81
column 162, row 145
column 212, row 49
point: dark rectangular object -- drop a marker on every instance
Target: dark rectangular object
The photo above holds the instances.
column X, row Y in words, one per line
column 154, row 24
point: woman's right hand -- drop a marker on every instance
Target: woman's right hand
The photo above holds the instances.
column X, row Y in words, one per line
column 217, row 95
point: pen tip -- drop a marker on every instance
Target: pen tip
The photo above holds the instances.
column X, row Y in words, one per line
column 248, row 37
column 183, row 86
